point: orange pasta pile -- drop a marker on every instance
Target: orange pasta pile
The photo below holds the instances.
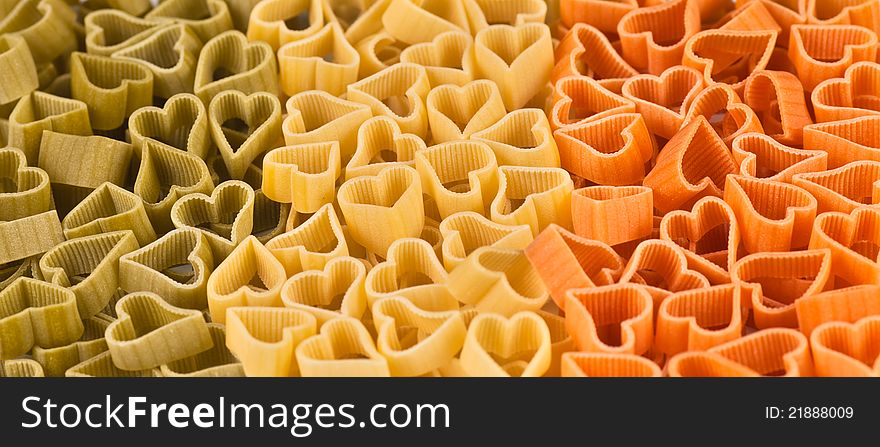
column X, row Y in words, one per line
column 440, row 188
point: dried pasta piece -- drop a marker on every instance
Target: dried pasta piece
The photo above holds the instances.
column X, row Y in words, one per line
column 696, row 320
column 415, row 21
column 384, row 208
column 854, row 95
column 664, row 100
column 312, row 244
column 250, row 276
column 455, row 113
column 225, row 218
column 847, row 305
column 566, row 261
column 303, row 175
column 729, row 57
column 411, row 271
column 26, row 191
column 661, row 268
column 578, row 100
column 337, row 291
column 610, row 319
column 260, row 114
column 613, row 214
column 218, row 361
column 751, row 16
column 601, row 14
column 607, row 151
column 498, row 280
column 381, row 144
column 821, row 52
column 175, row 267
column 844, row 12
column 150, row 332
column 777, row 97
column 89, row 267
column 278, row 22
column 102, row 365
column 709, row 235
column 164, row 176
column 324, row 61
column 207, row 18
column 397, row 92
column 466, row 231
column 229, row 62
column 84, row 162
column 777, row 280
column 42, row 111
column 319, row 117
column 171, row 53
column 844, row 189
column 518, row 59
column 653, row 38
column 21, row 368
column 847, row 350
column 45, row 25
column 181, row 123
column 496, row 346
column 853, row 240
column 560, row 341
column 585, row 51
column 240, row 11
column 761, row 156
column 495, row 12
column 595, row 364
column 443, row 58
column 771, row 352
column 459, row 176
column 378, row 52
column 777, row 216
column 56, row 361
column 785, row 14
column 111, row 88
column 415, row 341
column 19, row 72
column 692, row 165
column 264, row 338
column 29, row 236
column 536, row 197
column 521, row 138
column 110, row 30
column 107, row 209
column 845, row 141
column 35, row 313
column 724, row 110
column 343, row 348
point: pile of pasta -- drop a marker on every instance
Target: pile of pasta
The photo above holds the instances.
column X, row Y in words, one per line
column 439, row 188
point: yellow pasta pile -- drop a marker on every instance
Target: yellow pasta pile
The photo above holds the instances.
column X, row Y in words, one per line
column 404, row 188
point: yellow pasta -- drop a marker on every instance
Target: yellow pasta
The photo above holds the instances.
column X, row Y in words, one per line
column 250, row 276
column 397, row 92
column 536, row 197
column 456, row 113
column 466, row 231
column 412, row 271
column 459, row 176
column 312, row 244
column 496, row 346
column 343, row 348
column 319, row 117
column 381, row 144
column 498, row 280
column 415, row 341
column 303, row 175
column 443, row 58
column 265, row 338
column 334, row 292
column 383, row 208
column 522, row 138
column 324, row 61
